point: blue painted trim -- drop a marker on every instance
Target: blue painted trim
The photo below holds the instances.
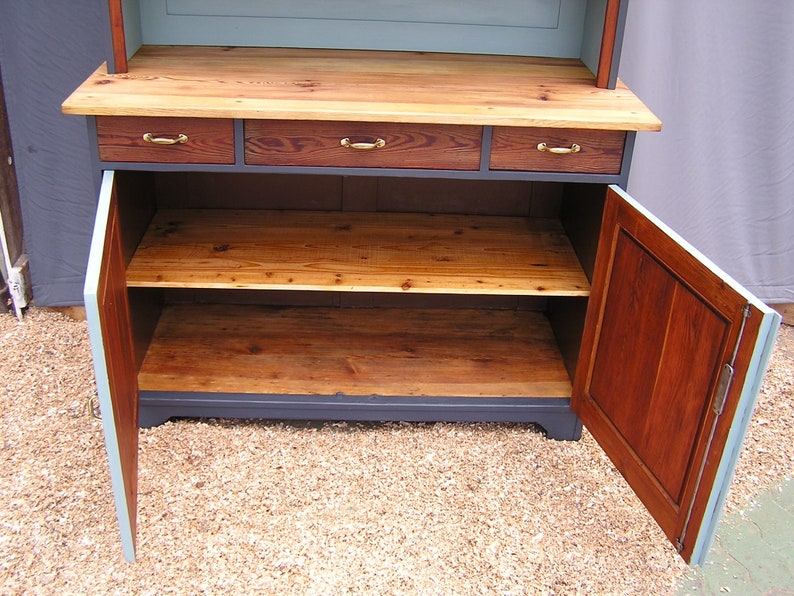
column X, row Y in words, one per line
column 733, row 446
column 90, row 293
column 625, row 165
column 553, row 414
column 485, row 149
column 93, row 150
column 239, row 142
column 392, row 172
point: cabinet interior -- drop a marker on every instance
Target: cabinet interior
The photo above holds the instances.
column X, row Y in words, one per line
column 488, row 330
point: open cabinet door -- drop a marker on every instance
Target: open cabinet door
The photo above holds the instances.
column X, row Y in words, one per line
column 672, row 359
column 107, row 310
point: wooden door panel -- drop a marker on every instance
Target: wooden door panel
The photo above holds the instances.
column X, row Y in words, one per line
column 107, row 310
column 668, row 392
column 662, row 324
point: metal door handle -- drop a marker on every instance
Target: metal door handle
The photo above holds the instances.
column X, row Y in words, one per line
column 574, row 148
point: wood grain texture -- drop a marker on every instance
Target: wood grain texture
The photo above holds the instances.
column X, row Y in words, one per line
column 660, row 325
column 113, row 306
column 786, row 311
column 117, row 33
column 347, row 85
column 296, row 143
column 608, row 39
column 370, row 252
column 210, row 140
column 399, row 352
column 515, row 148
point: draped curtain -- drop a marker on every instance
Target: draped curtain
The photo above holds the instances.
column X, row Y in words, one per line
column 720, row 75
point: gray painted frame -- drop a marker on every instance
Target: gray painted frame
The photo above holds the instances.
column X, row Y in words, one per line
column 553, row 414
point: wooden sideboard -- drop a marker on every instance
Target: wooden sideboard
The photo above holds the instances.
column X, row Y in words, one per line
column 363, row 234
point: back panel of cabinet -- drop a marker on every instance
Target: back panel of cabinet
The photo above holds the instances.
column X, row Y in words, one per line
column 551, row 28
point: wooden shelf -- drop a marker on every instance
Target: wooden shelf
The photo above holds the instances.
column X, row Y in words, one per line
column 388, row 352
column 357, row 252
column 350, row 85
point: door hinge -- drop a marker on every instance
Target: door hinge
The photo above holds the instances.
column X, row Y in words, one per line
column 723, row 386
column 726, row 375
column 717, row 406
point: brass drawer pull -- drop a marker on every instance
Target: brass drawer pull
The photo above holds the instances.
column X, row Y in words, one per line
column 150, row 138
column 574, row 148
column 362, row 146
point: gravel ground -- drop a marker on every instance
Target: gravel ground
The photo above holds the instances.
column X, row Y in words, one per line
column 247, row 507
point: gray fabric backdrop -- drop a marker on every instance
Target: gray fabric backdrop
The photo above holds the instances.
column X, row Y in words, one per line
column 719, row 74
column 46, row 50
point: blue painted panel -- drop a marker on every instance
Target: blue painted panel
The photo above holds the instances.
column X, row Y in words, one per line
column 519, row 27
column 507, row 13
column 133, row 35
column 593, row 31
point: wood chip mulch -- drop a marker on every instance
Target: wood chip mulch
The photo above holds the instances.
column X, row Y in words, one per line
column 267, row 507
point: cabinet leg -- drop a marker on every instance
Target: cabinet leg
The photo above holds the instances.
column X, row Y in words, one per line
column 562, row 427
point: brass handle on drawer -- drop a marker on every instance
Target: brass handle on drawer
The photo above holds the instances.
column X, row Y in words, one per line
column 574, row 148
column 150, row 138
column 362, row 146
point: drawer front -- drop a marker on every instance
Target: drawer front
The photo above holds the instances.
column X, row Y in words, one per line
column 362, row 145
column 557, row 150
column 165, row 140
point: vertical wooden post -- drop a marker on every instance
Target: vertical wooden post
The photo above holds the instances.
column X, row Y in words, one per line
column 608, row 40
column 117, row 32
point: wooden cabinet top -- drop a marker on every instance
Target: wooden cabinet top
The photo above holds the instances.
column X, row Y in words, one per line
column 355, row 85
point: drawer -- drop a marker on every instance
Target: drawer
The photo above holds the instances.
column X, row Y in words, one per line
column 362, row 144
column 133, row 139
column 557, row 150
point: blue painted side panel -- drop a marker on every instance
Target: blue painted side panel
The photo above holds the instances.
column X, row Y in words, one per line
column 133, row 35
column 593, row 31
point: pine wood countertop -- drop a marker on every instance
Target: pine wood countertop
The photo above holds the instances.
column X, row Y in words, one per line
column 352, row 85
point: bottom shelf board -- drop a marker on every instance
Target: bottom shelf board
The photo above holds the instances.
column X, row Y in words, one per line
column 354, row 351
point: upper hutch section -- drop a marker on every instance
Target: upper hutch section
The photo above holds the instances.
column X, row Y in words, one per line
column 522, row 63
column 586, row 30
